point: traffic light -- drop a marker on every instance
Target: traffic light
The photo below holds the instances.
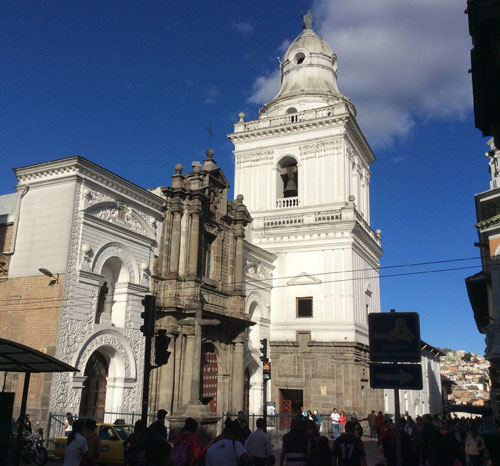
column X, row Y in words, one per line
column 149, row 303
column 161, row 348
column 263, row 350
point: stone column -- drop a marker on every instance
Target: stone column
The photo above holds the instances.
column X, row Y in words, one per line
column 187, row 375
column 238, row 265
column 194, row 240
column 196, row 361
column 175, row 243
column 237, row 377
column 166, row 380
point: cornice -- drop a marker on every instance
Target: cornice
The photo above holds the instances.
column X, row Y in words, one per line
column 58, row 170
column 288, row 128
column 258, row 252
column 358, row 140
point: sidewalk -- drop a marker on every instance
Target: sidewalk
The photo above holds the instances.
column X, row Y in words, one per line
column 372, row 455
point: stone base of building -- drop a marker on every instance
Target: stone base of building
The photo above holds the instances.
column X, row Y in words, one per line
column 207, row 421
column 322, row 376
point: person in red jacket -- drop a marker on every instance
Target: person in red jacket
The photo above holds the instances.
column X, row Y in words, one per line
column 342, row 421
column 186, row 445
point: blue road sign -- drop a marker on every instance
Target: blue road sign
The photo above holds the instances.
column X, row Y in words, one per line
column 402, row 376
column 394, row 337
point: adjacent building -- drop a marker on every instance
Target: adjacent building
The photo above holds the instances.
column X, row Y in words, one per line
column 483, row 288
column 77, row 246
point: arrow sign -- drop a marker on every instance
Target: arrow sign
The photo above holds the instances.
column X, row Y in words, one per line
column 401, row 376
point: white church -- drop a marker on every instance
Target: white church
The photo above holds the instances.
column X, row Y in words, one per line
column 310, row 259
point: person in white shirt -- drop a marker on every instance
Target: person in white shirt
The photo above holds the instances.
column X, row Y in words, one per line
column 76, row 446
column 229, row 451
column 259, row 446
column 335, row 417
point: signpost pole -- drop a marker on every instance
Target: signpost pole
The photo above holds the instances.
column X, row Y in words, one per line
column 397, row 421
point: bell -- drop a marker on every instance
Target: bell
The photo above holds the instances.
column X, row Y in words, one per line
column 290, row 188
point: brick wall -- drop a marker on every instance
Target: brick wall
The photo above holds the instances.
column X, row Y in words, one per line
column 29, row 314
column 6, row 231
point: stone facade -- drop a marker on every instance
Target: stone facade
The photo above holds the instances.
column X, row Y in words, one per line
column 198, row 283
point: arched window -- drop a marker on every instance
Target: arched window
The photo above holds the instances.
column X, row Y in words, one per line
column 288, row 179
column 112, row 298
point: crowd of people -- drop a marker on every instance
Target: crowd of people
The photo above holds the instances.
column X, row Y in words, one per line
column 441, row 441
column 427, row 440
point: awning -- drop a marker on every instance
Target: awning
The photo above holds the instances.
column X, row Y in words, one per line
column 477, row 289
column 15, row 357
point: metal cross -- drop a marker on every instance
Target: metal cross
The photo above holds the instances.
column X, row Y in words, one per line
column 210, row 134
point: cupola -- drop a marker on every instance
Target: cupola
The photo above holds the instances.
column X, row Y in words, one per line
column 308, row 75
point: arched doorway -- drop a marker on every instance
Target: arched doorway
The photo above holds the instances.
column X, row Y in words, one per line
column 94, row 388
column 209, row 372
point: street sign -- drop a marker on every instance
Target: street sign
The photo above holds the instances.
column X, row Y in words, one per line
column 394, row 336
column 400, row 376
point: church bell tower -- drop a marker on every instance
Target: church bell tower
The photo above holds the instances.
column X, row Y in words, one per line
column 304, row 169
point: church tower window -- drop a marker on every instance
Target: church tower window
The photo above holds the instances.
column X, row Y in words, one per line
column 288, row 178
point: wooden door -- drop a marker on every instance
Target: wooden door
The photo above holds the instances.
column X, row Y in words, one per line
column 93, row 400
column 209, row 372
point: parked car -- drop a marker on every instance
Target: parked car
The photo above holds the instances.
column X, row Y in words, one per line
column 112, row 437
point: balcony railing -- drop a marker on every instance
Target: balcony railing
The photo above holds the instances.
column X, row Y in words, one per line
column 287, row 202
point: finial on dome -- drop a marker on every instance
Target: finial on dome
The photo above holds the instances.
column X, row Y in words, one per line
column 308, row 20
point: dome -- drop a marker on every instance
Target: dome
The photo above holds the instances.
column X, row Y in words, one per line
column 310, row 41
column 308, row 74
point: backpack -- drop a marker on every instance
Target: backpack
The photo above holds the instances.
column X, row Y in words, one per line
column 180, row 453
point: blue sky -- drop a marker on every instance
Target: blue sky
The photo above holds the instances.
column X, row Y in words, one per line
column 133, row 85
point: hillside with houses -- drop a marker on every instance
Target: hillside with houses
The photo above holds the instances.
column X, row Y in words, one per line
column 468, row 373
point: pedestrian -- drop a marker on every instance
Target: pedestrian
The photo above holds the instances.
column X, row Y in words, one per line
column 371, row 422
column 358, row 429
column 259, row 446
column 228, row 451
column 335, row 418
column 296, row 448
column 430, row 437
column 135, row 445
column 342, row 421
column 379, row 425
column 447, row 451
column 388, row 442
column 322, row 456
column 160, row 422
column 76, row 449
column 93, row 442
column 157, row 447
column 348, row 449
column 241, row 420
column 474, row 447
column 68, row 424
column 492, row 442
column 186, row 449
column 319, row 421
column 27, row 424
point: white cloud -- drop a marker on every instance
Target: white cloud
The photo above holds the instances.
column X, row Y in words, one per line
column 243, row 27
column 211, row 96
column 265, row 87
column 398, row 60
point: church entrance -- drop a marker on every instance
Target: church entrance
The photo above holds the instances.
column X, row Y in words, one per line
column 94, row 388
column 290, row 403
column 209, row 376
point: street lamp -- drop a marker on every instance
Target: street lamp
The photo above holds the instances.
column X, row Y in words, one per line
column 55, row 278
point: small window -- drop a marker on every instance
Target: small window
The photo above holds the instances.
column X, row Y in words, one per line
column 304, row 307
column 299, row 58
